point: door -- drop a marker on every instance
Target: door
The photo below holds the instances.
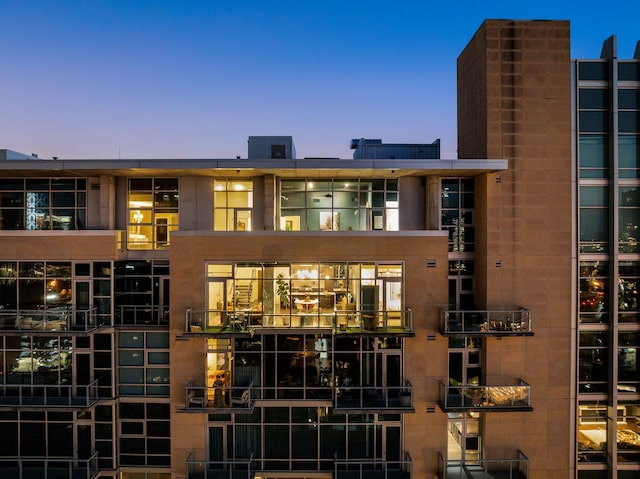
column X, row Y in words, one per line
column 216, row 301
column 465, row 439
column 217, row 440
column 161, row 299
column 82, row 304
column 389, row 372
column 392, row 302
column 389, row 445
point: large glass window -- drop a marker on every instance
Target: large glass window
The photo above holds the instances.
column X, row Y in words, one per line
column 43, row 204
column 38, row 360
column 629, row 213
column 143, row 360
column 153, row 212
column 458, row 203
column 233, row 205
column 592, row 431
column 628, row 361
column 593, row 362
column 339, row 205
column 320, row 437
column 593, row 292
column 144, row 435
column 628, row 290
column 358, row 295
column 593, row 155
column 594, row 219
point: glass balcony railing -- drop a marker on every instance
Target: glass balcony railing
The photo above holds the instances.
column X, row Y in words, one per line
column 49, row 468
column 227, row 469
column 53, row 319
column 374, row 398
column 202, row 398
column 142, row 316
column 41, row 395
column 517, row 468
column 513, row 397
column 489, row 323
column 218, row 321
column 373, row 469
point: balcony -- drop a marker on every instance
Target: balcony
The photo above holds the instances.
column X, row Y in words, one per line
column 516, row 322
column 373, row 469
column 246, row 322
column 40, row 395
column 65, row 319
column 58, row 468
column 368, row 399
column 228, row 469
column 236, row 399
column 514, row 397
column 517, row 468
column 142, row 316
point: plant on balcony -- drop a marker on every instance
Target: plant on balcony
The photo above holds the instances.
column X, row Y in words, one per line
column 282, row 291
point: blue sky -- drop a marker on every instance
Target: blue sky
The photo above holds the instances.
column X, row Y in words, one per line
column 194, row 79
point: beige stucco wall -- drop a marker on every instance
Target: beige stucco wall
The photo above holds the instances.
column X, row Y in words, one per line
column 425, row 291
column 515, row 102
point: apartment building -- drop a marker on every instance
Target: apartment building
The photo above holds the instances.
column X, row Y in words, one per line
column 392, row 315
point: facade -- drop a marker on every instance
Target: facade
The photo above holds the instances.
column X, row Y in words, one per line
column 392, row 315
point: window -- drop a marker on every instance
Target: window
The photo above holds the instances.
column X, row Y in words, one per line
column 339, row 205
column 143, row 368
column 593, row 292
column 233, row 205
column 628, row 286
column 458, row 200
column 153, row 212
column 594, row 219
column 43, row 204
column 629, row 234
column 144, row 434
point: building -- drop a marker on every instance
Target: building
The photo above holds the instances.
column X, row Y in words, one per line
column 392, row 315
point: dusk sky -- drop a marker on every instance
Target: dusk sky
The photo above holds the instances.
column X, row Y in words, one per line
column 195, row 79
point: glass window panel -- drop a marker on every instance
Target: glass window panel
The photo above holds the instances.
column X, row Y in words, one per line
column 8, row 184
column 594, row 196
column 629, row 71
column 35, row 184
column 132, row 376
column 628, row 99
column 628, row 121
column 140, row 184
column 592, row 71
column 594, row 151
column 130, row 358
column 628, row 151
column 594, row 99
column 13, row 199
column 158, row 340
column 593, row 121
column 131, row 340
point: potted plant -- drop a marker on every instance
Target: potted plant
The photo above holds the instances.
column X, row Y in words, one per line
column 282, row 291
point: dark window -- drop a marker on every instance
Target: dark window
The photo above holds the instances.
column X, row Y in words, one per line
column 629, row 71
column 278, row 151
column 592, row 71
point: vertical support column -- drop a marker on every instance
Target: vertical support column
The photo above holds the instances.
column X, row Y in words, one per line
column 433, row 202
column 271, row 202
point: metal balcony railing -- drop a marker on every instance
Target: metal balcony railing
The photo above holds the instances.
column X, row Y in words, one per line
column 54, row 319
column 142, row 316
column 374, row 398
column 49, row 468
column 374, row 468
column 227, row 469
column 517, row 468
column 490, row 323
column 511, row 397
column 47, row 395
column 218, row 321
column 238, row 398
